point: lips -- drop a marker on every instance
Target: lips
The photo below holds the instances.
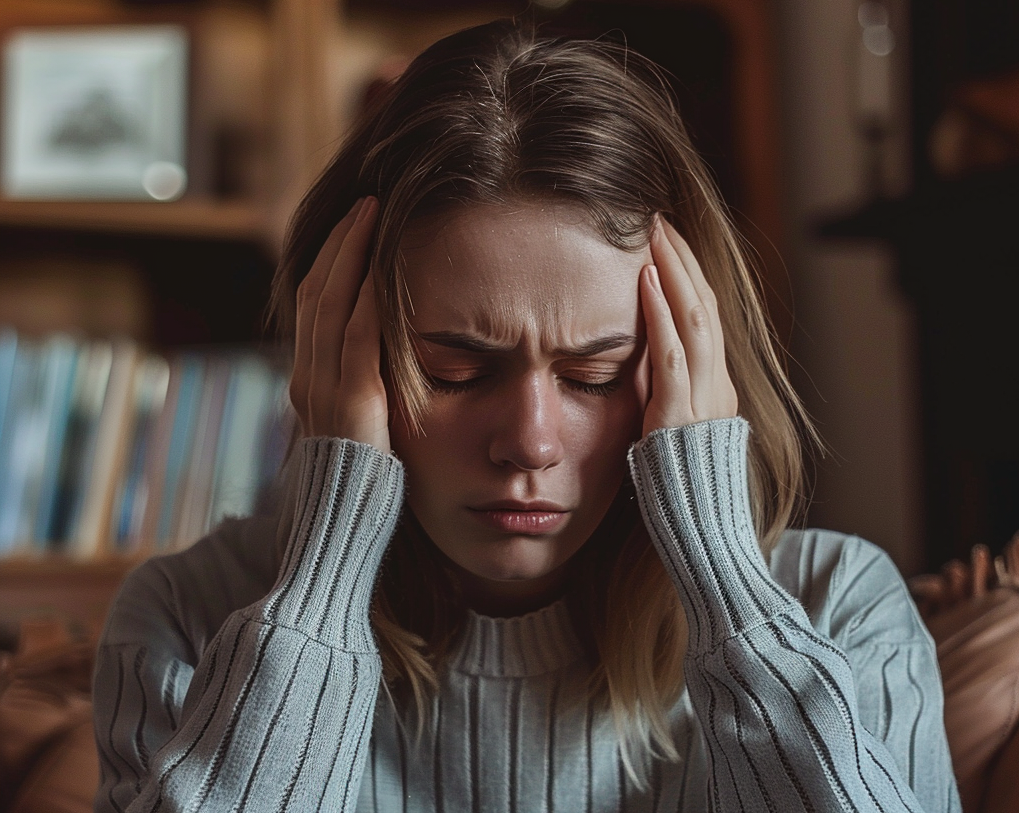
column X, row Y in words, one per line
column 532, row 518
column 520, row 505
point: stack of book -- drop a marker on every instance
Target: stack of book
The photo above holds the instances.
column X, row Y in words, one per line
column 106, row 448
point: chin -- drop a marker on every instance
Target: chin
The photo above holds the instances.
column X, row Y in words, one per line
column 514, row 560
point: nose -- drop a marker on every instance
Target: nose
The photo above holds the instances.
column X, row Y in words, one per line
column 528, row 426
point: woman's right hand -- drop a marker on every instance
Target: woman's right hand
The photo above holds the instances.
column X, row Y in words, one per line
column 336, row 387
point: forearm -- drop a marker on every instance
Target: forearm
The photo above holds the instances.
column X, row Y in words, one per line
column 279, row 709
column 776, row 700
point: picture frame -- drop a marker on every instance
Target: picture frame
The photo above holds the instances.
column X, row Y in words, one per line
column 95, row 112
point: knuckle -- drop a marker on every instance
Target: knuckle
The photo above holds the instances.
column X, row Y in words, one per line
column 328, row 301
column 356, row 333
column 306, row 291
column 699, row 319
column 674, row 360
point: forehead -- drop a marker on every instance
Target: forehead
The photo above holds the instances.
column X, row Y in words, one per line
column 504, row 272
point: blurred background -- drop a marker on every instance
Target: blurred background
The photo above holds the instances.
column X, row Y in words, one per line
column 152, row 153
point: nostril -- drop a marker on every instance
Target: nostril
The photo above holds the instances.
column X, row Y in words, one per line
column 528, row 436
column 530, row 447
column 526, row 455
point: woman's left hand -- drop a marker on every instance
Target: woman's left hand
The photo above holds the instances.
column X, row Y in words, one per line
column 686, row 350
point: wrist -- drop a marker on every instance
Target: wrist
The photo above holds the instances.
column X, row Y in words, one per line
column 347, row 499
column 694, row 495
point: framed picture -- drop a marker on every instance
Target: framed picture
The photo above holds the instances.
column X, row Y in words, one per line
column 95, row 112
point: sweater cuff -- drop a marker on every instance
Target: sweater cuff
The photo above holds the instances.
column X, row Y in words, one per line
column 348, row 501
column 692, row 486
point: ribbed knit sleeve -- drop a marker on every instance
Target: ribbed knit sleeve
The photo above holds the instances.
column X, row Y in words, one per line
column 777, row 701
column 278, row 711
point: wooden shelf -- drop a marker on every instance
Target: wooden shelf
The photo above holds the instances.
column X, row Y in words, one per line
column 60, row 587
column 203, row 219
column 18, row 568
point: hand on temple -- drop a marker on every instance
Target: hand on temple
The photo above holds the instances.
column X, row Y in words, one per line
column 689, row 378
column 336, row 387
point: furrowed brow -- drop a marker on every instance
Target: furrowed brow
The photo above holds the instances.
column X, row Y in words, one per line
column 463, row 341
column 601, row 345
column 460, row 341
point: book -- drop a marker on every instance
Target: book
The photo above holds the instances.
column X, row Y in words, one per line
column 179, row 449
column 191, row 513
column 18, row 439
column 158, row 453
column 90, row 534
column 148, row 395
column 238, row 476
column 62, row 354
column 8, row 350
column 92, row 376
column 37, row 420
column 106, row 447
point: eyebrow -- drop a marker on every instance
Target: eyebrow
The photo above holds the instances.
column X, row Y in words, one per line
column 473, row 344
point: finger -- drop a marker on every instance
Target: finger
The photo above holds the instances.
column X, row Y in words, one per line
column 1012, row 556
column 333, row 312
column 319, row 271
column 1001, row 572
column 366, row 416
column 669, row 404
column 307, row 303
column 926, row 586
column 981, row 568
column 693, row 268
column 692, row 319
column 928, row 592
column 957, row 580
column 722, row 379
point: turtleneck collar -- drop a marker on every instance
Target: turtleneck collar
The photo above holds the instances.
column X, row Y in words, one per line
column 532, row 644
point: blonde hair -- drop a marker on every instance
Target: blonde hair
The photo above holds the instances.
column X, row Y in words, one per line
column 495, row 115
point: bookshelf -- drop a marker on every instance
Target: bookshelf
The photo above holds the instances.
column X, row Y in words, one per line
column 80, row 591
column 233, row 221
column 202, row 263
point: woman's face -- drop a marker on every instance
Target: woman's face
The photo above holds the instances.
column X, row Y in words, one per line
column 528, row 324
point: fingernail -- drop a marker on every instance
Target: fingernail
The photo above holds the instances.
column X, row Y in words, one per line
column 653, row 272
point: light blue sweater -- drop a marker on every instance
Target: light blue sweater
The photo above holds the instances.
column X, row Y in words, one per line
column 223, row 685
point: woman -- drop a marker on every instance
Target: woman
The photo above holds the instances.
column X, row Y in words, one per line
column 566, row 329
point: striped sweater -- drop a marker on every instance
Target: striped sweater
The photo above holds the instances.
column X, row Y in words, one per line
column 224, row 683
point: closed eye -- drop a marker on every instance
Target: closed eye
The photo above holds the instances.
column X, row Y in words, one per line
column 453, row 386
column 449, row 386
column 600, row 388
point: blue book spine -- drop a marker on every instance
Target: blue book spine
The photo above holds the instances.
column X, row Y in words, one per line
column 8, row 350
column 130, row 501
column 180, row 444
column 64, row 359
column 20, row 441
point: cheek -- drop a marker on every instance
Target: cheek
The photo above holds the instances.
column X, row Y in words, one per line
column 620, row 420
column 449, row 432
column 598, row 437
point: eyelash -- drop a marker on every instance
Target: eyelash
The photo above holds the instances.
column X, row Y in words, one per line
column 447, row 387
